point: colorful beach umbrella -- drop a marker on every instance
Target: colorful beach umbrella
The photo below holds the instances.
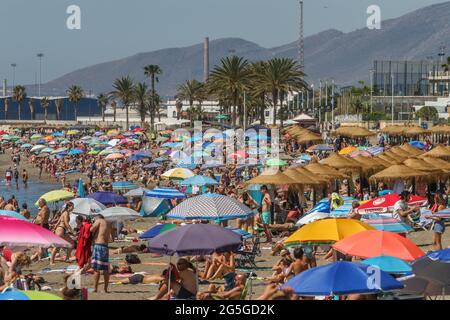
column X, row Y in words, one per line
column 326, row 231
column 165, row 193
column 119, row 214
column 123, row 185
column 210, row 206
column 199, row 180
column 434, row 266
column 13, row 294
column 137, row 192
column 276, row 163
column 389, row 224
column 87, row 206
column 347, row 150
column 341, row 278
column 178, row 173
column 157, row 230
column 386, row 203
column 373, row 243
column 56, row 195
column 20, row 233
column 74, row 152
column 114, row 156
column 389, row 264
column 195, row 239
column 108, row 198
column 12, row 214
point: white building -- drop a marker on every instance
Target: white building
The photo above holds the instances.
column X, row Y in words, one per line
column 441, row 105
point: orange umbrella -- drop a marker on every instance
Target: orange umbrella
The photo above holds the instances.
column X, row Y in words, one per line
column 373, row 243
column 114, row 156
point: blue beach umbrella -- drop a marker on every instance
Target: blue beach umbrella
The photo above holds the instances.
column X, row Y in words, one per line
column 254, row 190
column 107, row 197
column 80, row 190
column 342, row 278
column 12, row 214
column 74, row 152
column 123, row 185
column 157, row 230
column 165, row 193
column 389, row 264
column 417, row 144
column 26, row 146
column 199, row 180
column 434, row 266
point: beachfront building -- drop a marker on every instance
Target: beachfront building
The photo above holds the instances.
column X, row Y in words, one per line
column 9, row 108
column 440, row 104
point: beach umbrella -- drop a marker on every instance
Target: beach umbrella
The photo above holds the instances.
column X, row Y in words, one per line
column 389, row 264
column 312, row 217
column 64, row 142
column 87, row 206
column 359, row 153
column 417, row 144
column 20, row 233
column 271, row 176
column 59, row 150
column 389, row 224
column 195, row 239
column 276, row 163
column 123, row 185
column 114, row 156
column 108, row 151
column 112, row 133
column 416, row 285
column 210, row 206
column 36, row 137
column 341, row 278
column 434, row 266
column 347, row 150
column 199, row 180
column 12, row 214
column 113, row 142
column 375, row 150
column 439, row 151
column 3, row 133
column 26, row 146
column 80, row 189
column 74, row 152
column 326, row 231
column 152, row 165
column 14, row 294
column 165, row 193
column 372, row 243
column 157, row 230
column 340, row 162
column 178, row 173
column 72, row 132
column 443, row 214
column 119, row 214
column 325, row 171
column 108, row 198
column 155, row 207
column 161, row 159
column 37, row 148
column 244, row 234
column 137, row 192
column 46, row 150
column 386, row 203
column 56, row 195
column 58, row 134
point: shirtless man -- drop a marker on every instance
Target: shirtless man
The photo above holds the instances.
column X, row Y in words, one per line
column 100, row 255
column 299, row 265
column 43, row 215
column 187, row 287
column 265, row 214
column 63, row 230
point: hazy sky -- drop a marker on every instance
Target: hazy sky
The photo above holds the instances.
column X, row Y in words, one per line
column 113, row 29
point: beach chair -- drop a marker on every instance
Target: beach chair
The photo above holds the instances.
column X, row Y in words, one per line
column 246, row 259
column 418, row 221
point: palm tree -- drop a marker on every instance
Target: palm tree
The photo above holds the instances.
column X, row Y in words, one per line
column 231, row 78
column 152, row 71
column 45, row 102
column 102, row 101
column 6, row 108
column 58, row 104
column 142, row 100
column 259, row 92
column 114, row 107
column 75, row 94
column 124, row 90
column 157, row 102
column 31, row 106
column 281, row 75
column 19, row 95
column 179, row 107
column 191, row 90
column 446, row 66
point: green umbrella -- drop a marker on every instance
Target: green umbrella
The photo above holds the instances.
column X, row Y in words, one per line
column 276, row 163
column 222, row 117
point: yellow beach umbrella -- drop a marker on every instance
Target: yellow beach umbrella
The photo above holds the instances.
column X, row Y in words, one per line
column 347, row 150
column 56, row 195
column 326, row 231
column 178, row 173
column 72, row 132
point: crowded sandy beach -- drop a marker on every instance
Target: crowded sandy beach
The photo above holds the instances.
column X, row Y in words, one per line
column 124, row 196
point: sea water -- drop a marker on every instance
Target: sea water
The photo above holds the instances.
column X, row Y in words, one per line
column 29, row 194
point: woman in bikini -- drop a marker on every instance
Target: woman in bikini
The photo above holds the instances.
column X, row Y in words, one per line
column 63, row 230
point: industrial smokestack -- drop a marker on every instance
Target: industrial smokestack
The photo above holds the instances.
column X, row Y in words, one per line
column 4, row 87
column 206, row 59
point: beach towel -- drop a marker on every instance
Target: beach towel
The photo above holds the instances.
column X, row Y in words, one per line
column 83, row 253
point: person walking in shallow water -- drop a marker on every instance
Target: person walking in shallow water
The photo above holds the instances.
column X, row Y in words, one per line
column 25, row 177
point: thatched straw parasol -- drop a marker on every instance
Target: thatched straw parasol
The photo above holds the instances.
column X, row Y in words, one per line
column 438, row 152
column 353, row 132
column 271, row 176
column 382, row 162
column 419, row 164
column 369, row 164
column 411, row 150
column 325, row 171
column 441, row 129
column 393, row 130
column 340, row 162
column 308, row 137
column 400, row 152
column 395, row 156
column 309, row 174
column 390, row 159
column 415, row 131
column 398, row 172
column 438, row 163
column 300, row 178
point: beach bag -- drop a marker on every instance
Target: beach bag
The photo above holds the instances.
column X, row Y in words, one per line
column 132, row 258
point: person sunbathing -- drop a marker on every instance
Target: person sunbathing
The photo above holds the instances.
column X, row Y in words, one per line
column 129, row 249
column 219, row 265
column 218, row 293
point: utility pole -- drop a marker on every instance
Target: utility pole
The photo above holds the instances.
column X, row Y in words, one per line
column 371, row 90
column 392, row 81
column 326, row 103
column 332, row 105
column 301, row 43
column 40, row 56
column 245, row 112
column 14, row 65
column 313, row 98
column 320, row 102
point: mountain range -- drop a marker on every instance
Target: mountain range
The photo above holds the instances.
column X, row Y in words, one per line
column 331, row 54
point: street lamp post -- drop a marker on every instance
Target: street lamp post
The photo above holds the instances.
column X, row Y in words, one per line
column 40, row 56
column 320, row 104
column 332, row 105
column 313, row 98
column 14, row 65
column 392, row 102
column 372, row 71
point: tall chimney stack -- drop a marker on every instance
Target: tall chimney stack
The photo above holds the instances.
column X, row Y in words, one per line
column 206, row 59
column 4, row 87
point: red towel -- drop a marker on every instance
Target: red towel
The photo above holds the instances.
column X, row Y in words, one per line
column 84, row 246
